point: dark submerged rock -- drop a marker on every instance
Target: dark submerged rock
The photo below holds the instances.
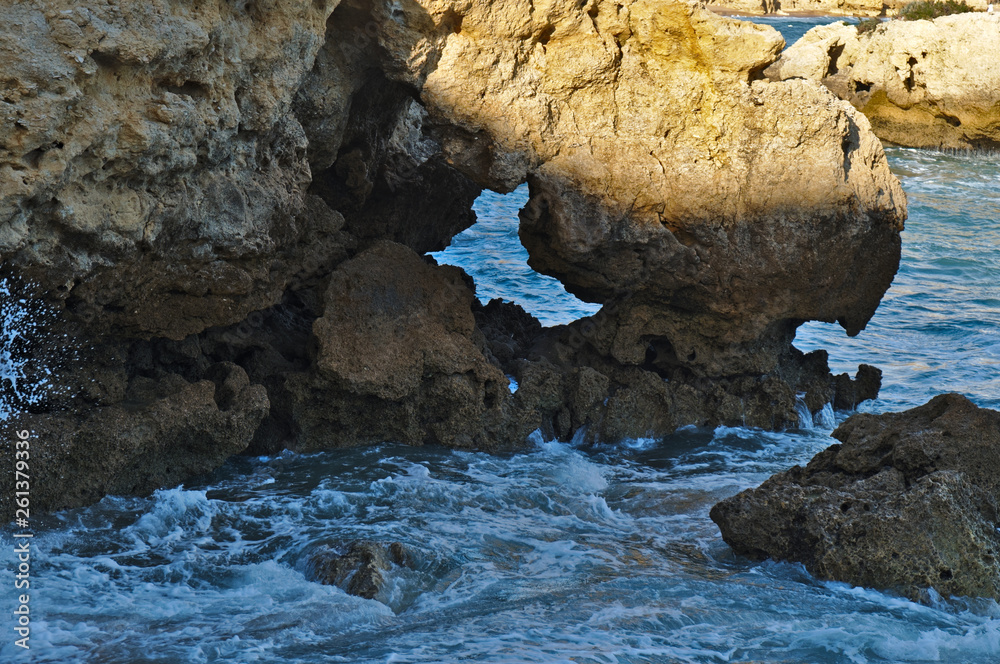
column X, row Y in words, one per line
column 359, row 570
column 907, row 501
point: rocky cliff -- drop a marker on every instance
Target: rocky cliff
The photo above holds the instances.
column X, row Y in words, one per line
column 227, row 206
column 930, row 84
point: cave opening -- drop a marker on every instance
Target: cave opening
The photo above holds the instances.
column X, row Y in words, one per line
column 491, row 252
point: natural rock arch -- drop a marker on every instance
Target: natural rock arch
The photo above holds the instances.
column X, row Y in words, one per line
column 279, row 244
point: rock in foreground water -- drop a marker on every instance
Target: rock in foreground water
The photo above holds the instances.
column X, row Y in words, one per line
column 361, row 569
column 907, row 502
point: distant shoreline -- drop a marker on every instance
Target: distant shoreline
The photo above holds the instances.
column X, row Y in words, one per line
column 726, row 11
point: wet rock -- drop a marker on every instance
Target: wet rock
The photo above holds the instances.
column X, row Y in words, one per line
column 576, row 378
column 928, row 84
column 907, row 501
column 163, row 432
column 360, row 570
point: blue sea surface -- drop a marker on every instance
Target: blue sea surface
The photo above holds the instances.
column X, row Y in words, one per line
column 793, row 27
column 599, row 554
column 491, row 252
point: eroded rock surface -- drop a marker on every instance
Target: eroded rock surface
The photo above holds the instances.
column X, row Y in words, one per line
column 928, row 84
column 908, row 501
column 150, row 169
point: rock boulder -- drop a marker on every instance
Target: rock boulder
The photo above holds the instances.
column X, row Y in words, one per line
column 361, row 569
column 907, row 501
column 396, row 359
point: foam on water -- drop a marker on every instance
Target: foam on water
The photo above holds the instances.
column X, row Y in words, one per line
column 563, row 553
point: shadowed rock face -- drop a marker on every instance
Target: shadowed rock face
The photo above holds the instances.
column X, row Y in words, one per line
column 253, row 184
column 908, row 501
column 927, row 84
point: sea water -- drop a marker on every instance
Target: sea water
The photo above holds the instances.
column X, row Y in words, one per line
column 562, row 553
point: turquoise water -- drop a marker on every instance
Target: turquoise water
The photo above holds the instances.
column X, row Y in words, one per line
column 793, row 27
column 599, row 554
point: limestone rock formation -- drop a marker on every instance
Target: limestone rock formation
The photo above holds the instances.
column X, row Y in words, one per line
column 928, row 84
column 908, row 501
column 150, row 168
column 642, row 131
column 396, row 359
column 252, row 184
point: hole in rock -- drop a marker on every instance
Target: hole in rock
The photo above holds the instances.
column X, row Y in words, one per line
column 106, row 61
column 491, row 252
column 910, row 81
column 546, row 34
column 862, row 87
column 453, row 21
column 835, row 54
column 34, row 158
